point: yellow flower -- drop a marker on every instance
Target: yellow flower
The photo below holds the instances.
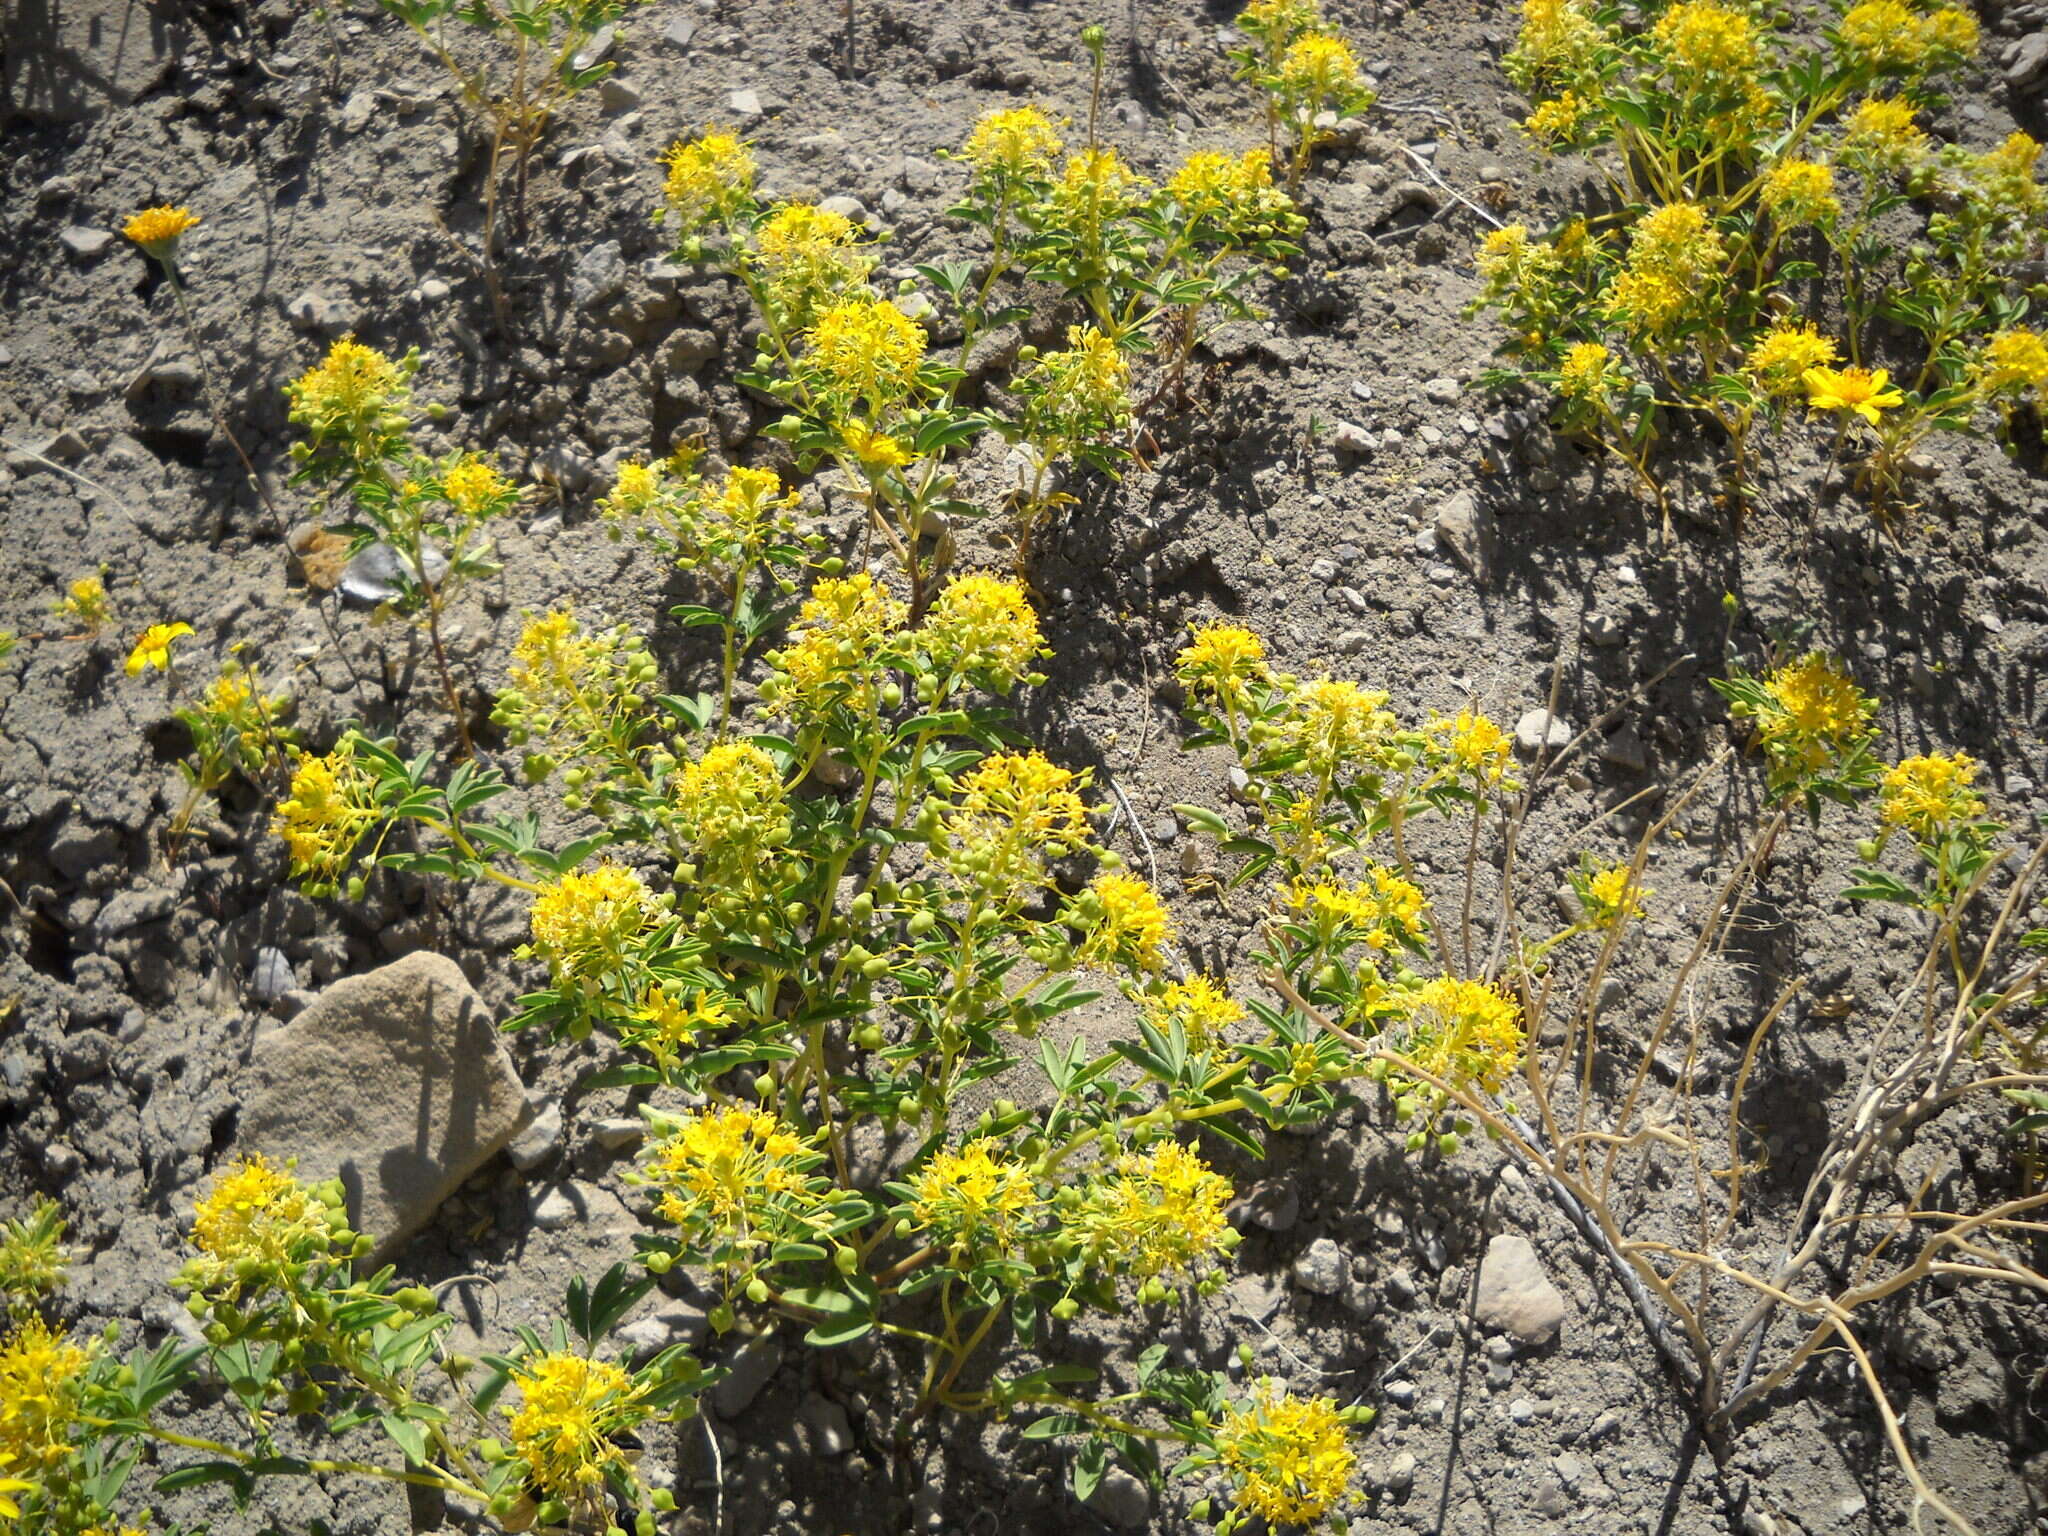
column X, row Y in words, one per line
column 10, row 1486
column 2015, row 362
column 473, row 488
column 1464, row 1033
column 1584, row 373
column 329, row 809
column 1607, row 895
column 1317, row 67
column 976, row 1199
column 1799, row 192
column 1850, row 389
column 832, row 658
column 1161, row 1212
column 1929, row 795
column 1094, row 186
column 1704, row 42
column 582, row 923
column 550, row 656
column 866, row 349
column 1882, row 131
column 258, row 1215
column 633, row 490
column 1287, row 1455
column 85, row 604
column 1675, row 258
column 153, row 647
column 665, row 1027
column 1557, row 120
column 1559, row 41
column 571, row 1408
column 1476, row 747
column 710, row 179
column 1123, row 923
column 1016, row 811
column 1384, row 911
column 731, row 1175
column 1890, row 37
column 1201, row 1008
column 1077, row 398
column 729, row 805
column 1232, row 194
column 40, row 1385
column 1280, row 18
column 1335, row 725
column 355, row 394
column 809, row 257
column 983, row 627
column 1781, row 358
column 1014, row 143
column 33, row 1257
column 157, row 230
column 1811, row 713
column 1223, row 660
column 874, row 450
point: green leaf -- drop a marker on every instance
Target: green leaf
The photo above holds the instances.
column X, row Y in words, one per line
column 201, row 1473
column 409, row 1437
column 1088, row 1469
column 1203, row 819
column 1054, row 1425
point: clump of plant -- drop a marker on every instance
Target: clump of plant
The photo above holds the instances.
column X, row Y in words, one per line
column 238, row 729
column 531, row 57
column 429, row 515
column 1471, row 1012
column 329, row 1374
column 1309, row 77
column 1782, row 236
column 857, row 371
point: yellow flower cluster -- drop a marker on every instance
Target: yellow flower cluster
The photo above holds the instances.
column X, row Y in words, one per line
column 1223, row 661
column 1384, row 911
column 664, row 1026
column 1812, row 715
column 1287, row 1455
column 1674, row 260
column 2016, row 362
column 1893, row 37
column 1231, row 195
column 329, row 809
column 1881, row 132
column 1557, row 120
column 1319, row 68
column 1094, row 187
column 977, row 1199
column 729, row 805
column 1559, row 41
column 570, row 1409
column 1781, row 358
column 1464, row 1033
column 1201, row 1008
column 257, row 1217
column 1282, row 18
column 983, row 627
column 831, row 658
column 550, row 658
column 355, row 393
column 809, row 257
column 1607, row 895
column 1587, row 372
column 41, row 1376
column 1122, row 922
column 1333, row 725
column 1013, row 144
column 1474, row 746
column 1161, row 1212
column 152, row 648
column 157, row 230
column 1079, row 397
column 1860, row 390
column 582, row 923
column 474, row 489
column 727, row 1172
column 1705, row 45
column 865, row 350
column 1797, row 192
column 85, row 604
column 2000, row 182
column 1016, row 811
column 1930, row 794
column 710, row 179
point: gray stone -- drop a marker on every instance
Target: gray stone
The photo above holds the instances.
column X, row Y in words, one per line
column 318, row 314
column 79, row 847
column 619, row 1133
column 85, row 243
column 745, row 104
column 1400, row 1393
column 1538, row 729
column 357, row 111
column 1469, row 531
column 618, row 95
column 131, row 909
column 1353, row 439
column 1273, row 1204
column 375, row 575
column 1515, row 1295
column 554, row 1207
column 1122, row 1500
column 1625, row 750
column 749, row 1370
column 1321, row 1268
column 270, row 976
column 395, row 1082
column 677, row 1323
column 2029, row 60
column 541, row 1139
column 680, row 33
column 1324, row 571
column 825, row 1424
column 688, row 350
column 598, row 49
column 1401, row 1473
column 846, row 207
column 1441, row 391
column 600, row 275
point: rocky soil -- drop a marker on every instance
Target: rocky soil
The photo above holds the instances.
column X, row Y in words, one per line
column 1335, row 484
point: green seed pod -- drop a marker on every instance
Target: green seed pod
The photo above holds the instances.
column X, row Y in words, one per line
column 720, row 1318
column 663, row 1500
column 1448, row 1144
column 1417, row 1140
column 876, row 968
column 892, row 696
column 356, row 887
column 868, row 1037
column 1066, row 1309
column 845, row 1260
column 659, row 1261
column 551, row 1512
column 757, row 1291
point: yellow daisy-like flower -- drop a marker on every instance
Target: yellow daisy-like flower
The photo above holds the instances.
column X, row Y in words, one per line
column 1384, row 911
column 866, row 350
column 1781, row 358
column 809, row 257
column 1288, row 1456
column 984, row 627
column 633, row 490
column 977, row 1199
column 1891, row 37
column 1017, row 142
column 40, row 1385
column 1122, row 922
column 152, row 648
column 1465, row 1033
column 2016, row 362
column 1160, row 1212
column 1201, row 1008
column 1929, row 795
column 1094, row 186
column 582, row 922
column 1223, row 661
column 157, row 230
column 729, row 1175
column 1851, row 389
column 710, row 179
column 1281, row 18
column 1559, row 40
column 571, row 1408
column 1079, row 396
column 1799, row 192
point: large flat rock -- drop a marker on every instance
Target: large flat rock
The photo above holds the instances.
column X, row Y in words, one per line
column 396, row 1083
column 70, row 59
